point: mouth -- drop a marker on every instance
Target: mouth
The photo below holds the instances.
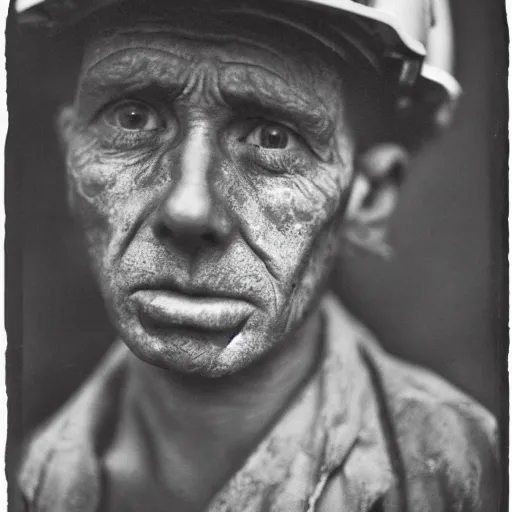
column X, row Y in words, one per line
column 164, row 311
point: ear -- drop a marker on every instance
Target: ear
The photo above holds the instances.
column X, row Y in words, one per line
column 66, row 127
column 66, row 123
column 379, row 173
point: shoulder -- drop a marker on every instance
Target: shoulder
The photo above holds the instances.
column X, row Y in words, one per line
column 447, row 441
column 59, row 460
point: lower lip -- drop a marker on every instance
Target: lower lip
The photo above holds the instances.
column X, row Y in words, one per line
column 168, row 309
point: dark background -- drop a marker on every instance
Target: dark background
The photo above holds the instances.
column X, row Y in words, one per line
column 440, row 302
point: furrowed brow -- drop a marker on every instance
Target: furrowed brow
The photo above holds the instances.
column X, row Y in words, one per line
column 252, row 87
column 124, row 71
column 242, row 85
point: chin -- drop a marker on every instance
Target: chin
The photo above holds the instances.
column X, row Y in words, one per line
column 210, row 355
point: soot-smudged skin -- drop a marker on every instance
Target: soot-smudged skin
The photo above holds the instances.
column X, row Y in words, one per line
column 196, row 194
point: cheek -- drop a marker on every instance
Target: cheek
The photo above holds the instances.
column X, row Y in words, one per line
column 105, row 191
column 96, row 176
column 303, row 207
column 307, row 213
column 90, row 180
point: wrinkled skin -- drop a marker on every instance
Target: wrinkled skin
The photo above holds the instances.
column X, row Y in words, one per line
column 193, row 196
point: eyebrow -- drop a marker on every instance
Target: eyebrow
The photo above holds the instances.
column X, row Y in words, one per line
column 249, row 86
column 243, row 86
column 122, row 71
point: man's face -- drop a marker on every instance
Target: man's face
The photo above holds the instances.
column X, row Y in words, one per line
column 211, row 175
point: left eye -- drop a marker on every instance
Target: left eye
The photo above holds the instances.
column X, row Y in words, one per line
column 133, row 116
column 270, row 136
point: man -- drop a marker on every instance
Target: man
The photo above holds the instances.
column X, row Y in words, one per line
column 220, row 158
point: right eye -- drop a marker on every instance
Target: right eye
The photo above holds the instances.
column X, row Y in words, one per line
column 133, row 116
column 271, row 136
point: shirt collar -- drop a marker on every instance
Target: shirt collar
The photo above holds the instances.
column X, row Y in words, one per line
column 332, row 428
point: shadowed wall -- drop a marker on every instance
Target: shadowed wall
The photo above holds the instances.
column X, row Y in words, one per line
column 435, row 303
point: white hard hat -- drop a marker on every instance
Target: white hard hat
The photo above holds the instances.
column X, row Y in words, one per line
column 414, row 36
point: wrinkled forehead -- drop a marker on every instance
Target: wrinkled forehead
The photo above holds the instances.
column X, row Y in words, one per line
column 224, row 38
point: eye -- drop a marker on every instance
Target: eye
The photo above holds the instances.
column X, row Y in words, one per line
column 270, row 136
column 133, row 116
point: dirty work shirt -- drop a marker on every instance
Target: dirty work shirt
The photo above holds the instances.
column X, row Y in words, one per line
column 366, row 433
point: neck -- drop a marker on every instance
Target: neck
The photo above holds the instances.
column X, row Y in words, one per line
column 214, row 424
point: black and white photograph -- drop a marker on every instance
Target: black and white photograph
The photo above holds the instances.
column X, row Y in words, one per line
column 256, row 256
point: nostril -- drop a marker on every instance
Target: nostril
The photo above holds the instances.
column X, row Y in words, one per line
column 208, row 238
column 161, row 230
column 185, row 236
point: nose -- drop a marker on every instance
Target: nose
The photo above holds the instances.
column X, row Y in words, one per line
column 192, row 213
